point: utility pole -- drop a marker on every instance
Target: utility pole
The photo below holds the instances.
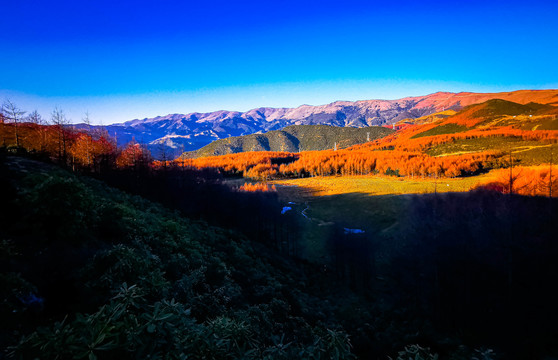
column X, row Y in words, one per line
column 181, row 157
column 87, row 122
column 550, row 174
column 511, row 173
column 2, row 120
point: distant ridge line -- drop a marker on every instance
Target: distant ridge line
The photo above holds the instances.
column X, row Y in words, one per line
column 177, row 133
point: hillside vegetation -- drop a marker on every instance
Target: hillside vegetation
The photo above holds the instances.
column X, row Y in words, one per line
column 428, row 118
column 481, row 137
column 103, row 274
column 293, row 138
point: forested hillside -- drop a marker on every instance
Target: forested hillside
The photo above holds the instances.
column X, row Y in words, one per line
column 496, row 134
column 92, row 272
column 294, row 138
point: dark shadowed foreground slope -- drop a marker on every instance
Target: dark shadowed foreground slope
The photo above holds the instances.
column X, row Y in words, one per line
column 92, row 272
column 88, row 271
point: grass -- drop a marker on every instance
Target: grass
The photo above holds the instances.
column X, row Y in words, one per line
column 480, row 144
column 429, row 118
column 373, row 203
column 377, row 185
column 376, row 215
column 541, row 123
column 532, row 155
column 442, row 130
column 527, row 152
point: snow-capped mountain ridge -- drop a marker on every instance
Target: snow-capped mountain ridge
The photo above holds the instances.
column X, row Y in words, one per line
column 195, row 130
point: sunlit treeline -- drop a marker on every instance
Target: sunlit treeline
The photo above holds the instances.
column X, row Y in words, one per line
column 402, row 163
column 268, row 165
column 541, row 180
column 401, row 154
column 239, row 163
column 257, row 187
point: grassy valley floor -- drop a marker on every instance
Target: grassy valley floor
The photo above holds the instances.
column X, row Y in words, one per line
column 376, row 185
column 375, row 204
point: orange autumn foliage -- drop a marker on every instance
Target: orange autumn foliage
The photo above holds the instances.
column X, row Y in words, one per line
column 532, row 181
column 267, row 165
column 133, row 155
column 85, row 150
column 81, row 148
column 250, row 187
column 403, row 163
column 251, row 164
column 401, row 153
column 404, row 140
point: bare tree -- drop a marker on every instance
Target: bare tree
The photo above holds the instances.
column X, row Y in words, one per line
column 89, row 145
column 13, row 114
column 87, row 121
column 34, row 118
column 163, row 154
column 60, row 121
column 2, row 120
column 41, row 127
column 512, row 180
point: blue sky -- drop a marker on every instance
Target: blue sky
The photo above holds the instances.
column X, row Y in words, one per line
column 137, row 59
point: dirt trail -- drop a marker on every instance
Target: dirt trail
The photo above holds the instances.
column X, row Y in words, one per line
column 531, row 147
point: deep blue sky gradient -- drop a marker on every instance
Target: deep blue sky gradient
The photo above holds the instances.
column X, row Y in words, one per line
column 134, row 59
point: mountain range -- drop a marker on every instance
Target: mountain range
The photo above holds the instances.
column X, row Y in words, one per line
column 173, row 134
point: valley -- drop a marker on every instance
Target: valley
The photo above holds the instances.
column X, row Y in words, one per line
column 370, row 185
column 279, row 180
column 459, row 149
column 313, row 239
